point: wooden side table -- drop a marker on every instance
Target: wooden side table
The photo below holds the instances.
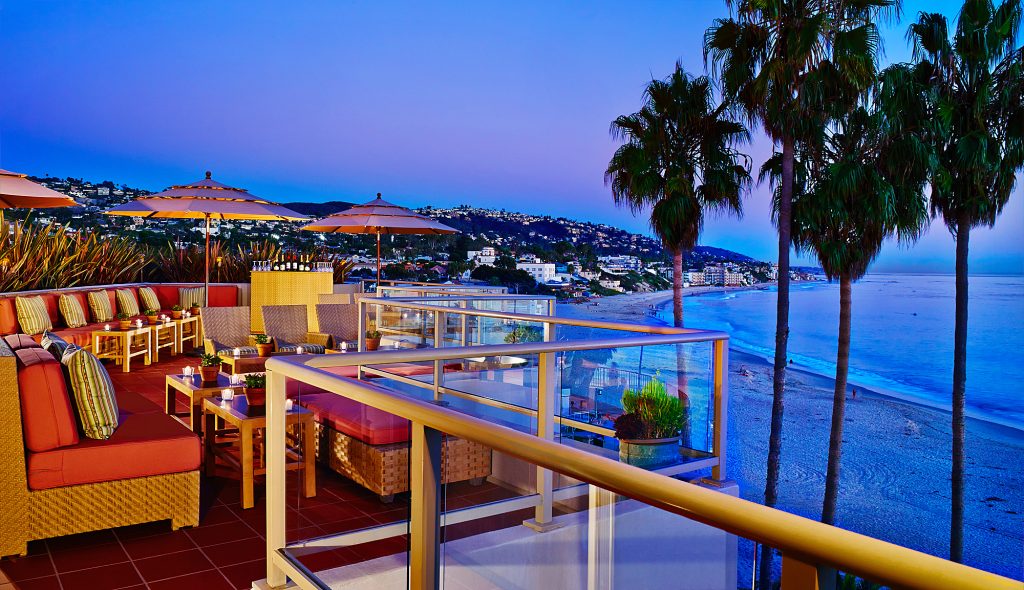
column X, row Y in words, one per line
column 243, row 363
column 123, row 345
column 196, row 391
column 188, row 331
column 165, row 335
column 236, row 414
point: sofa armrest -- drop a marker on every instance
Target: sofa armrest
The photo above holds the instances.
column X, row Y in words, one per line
column 14, row 523
column 318, row 338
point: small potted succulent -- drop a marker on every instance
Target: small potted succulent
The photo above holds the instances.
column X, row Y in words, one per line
column 209, row 367
column 650, row 426
column 373, row 339
column 176, row 312
column 124, row 320
column 255, row 389
column 263, row 345
column 194, row 310
column 151, row 316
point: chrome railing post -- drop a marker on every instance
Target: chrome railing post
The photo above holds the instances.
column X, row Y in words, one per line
column 425, row 508
column 546, row 408
column 720, row 374
column 276, row 508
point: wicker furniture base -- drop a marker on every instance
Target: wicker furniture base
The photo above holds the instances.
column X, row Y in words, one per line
column 384, row 469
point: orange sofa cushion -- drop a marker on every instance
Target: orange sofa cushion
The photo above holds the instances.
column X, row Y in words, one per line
column 145, row 443
column 81, row 336
column 8, row 316
column 223, row 296
column 46, row 414
column 368, row 424
column 18, row 341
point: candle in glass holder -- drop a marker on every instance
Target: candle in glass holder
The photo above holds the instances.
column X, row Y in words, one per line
column 227, row 394
column 138, row 323
column 236, row 379
column 288, row 405
column 106, row 327
column 344, row 347
column 299, row 350
column 237, row 352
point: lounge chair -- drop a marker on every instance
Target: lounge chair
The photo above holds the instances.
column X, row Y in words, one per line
column 227, row 328
column 289, row 327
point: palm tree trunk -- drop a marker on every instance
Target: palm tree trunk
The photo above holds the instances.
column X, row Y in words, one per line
column 956, row 526
column 835, row 440
column 771, row 486
column 677, row 288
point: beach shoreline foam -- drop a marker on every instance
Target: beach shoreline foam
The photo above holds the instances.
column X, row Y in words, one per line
column 894, row 483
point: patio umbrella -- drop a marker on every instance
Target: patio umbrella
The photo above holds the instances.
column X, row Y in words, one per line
column 16, row 190
column 206, row 199
column 379, row 217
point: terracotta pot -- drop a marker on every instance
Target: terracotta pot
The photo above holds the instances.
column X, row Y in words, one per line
column 255, row 396
column 372, row 343
column 125, row 324
column 264, row 350
column 176, row 315
column 649, row 453
column 194, row 310
column 152, row 320
column 209, row 374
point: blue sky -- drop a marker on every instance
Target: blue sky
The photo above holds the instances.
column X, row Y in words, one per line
column 498, row 105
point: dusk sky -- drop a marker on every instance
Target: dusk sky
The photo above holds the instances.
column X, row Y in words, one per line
column 497, row 105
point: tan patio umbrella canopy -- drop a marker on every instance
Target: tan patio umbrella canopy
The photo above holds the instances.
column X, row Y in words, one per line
column 379, row 217
column 16, row 190
column 206, row 199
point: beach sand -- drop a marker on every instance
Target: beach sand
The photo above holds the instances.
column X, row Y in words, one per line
column 894, row 481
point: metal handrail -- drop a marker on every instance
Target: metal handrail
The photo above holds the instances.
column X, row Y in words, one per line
column 803, row 542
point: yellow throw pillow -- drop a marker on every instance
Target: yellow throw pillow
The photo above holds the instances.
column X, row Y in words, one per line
column 148, row 298
column 99, row 305
column 93, row 392
column 71, row 309
column 32, row 315
column 126, row 302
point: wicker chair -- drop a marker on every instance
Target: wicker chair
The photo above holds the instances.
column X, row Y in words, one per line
column 29, row 515
column 289, row 327
column 227, row 328
column 339, row 320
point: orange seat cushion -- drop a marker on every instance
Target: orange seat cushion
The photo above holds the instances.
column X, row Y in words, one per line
column 18, row 341
column 81, row 336
column 368, row 424
column 145, row 443
column 46, row 414
column 223, row 296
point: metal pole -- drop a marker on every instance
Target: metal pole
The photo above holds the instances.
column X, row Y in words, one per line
column 377, row 289
column 206, row 283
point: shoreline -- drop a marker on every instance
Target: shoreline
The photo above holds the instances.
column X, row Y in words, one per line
column 631, row 307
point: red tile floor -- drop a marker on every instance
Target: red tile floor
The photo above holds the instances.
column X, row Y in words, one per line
column 227, row 550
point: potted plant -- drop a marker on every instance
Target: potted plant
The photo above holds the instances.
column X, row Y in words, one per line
column 373, row 339
column 194, row 310
column 650, row 426
column 263, row 345
column 150, row 316
column 523, row 334
column 255, row 389
column 124, row 320
column 209, row 367
column 176, row 312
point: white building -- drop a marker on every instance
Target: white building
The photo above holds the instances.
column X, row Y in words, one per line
column 620, row 263
column 610, row 284
column 714, row 275
column 541, row 272
column 694, row 278
column 485, row 256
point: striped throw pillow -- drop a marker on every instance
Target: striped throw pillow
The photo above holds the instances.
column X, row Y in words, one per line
column 191, row 297
column 126, row 302
column 99, row 305
column 71, row 309
column 32, row 315
column 93, row 392
column 149, row 299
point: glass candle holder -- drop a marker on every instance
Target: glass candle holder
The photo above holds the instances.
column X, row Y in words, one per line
column 288, row 404
column 300, row 350
column 227, row 395
column 237, row 352
column 106, row 327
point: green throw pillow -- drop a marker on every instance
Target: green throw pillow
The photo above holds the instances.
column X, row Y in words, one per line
column 93, row 392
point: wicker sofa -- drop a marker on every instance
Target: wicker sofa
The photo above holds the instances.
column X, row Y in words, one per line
column 371, row 447
column 147, row 471
column 220, row 296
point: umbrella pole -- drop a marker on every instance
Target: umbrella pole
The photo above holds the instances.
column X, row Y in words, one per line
column 377, row 288
column 206, row 283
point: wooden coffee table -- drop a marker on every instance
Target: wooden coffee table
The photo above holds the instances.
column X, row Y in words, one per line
column 196, row 390
column 123, row 345
column 244, row 363
column 236, row 449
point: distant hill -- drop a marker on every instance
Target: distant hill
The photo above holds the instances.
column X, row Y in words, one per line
column 319, row 209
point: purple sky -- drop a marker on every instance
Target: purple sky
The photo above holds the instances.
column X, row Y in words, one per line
column 498, row 106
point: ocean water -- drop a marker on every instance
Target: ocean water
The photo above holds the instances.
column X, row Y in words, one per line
column 902, row 336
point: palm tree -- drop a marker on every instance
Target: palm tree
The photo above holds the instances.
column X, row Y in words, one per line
column 977, row 80
column 784, row 63
column 860, row 184
column 680, row 160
